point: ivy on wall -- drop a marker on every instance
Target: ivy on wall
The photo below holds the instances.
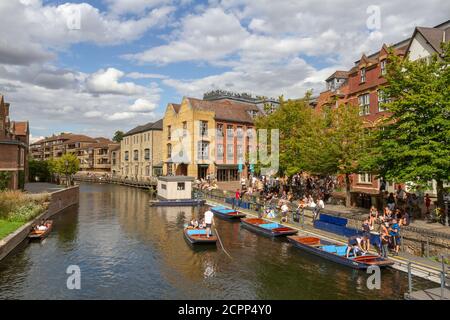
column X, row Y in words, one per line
column 5, row 178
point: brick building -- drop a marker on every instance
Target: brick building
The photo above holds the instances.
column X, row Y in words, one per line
column 14, row 137
column 208, row 137
column 140, row 152
column 362, row 86
column 93, row 153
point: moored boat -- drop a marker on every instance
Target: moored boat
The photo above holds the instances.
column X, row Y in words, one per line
column 337, row 253
column 267, row 228
column 41, row 234
column 177, row 203
column 198, row 236
column 228, row 214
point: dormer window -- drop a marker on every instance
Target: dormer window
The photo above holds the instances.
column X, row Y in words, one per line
column 363, row 75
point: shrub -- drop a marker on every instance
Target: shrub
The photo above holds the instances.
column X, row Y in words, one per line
column 16, row 204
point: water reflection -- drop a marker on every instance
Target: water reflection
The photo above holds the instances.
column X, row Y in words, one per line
column 128, row 250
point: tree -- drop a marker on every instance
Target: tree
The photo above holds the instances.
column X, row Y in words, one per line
column 39, row 169
column 413, row 143
column 118, row 136
column 293, row 120
column 336, row 143
column 66, row 165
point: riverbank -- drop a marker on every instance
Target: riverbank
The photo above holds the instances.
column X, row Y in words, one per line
column 17, row 208
column 57, row 201
column 419, row 266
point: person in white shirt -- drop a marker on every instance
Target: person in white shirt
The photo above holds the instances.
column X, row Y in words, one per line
column 320, row 206
column 209, row 221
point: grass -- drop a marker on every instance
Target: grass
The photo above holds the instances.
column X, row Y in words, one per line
column 7, row 227
column 17, row 208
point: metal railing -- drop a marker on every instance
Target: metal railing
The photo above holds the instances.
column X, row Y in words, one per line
column 416, row 284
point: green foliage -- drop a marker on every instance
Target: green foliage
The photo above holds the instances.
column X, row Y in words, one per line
column 413, row 143
column 68, row 164
column 118, row 136
column 5, row 178
column 21, row 179
column 39, row 169
column 291, row 119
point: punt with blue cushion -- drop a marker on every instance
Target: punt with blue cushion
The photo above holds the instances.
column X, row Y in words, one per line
column 195, row 232
column 269, row 226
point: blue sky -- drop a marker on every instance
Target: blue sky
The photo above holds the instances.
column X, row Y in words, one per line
column 129, row 58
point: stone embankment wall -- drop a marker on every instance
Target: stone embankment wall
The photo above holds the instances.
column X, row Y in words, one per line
column 59, row 200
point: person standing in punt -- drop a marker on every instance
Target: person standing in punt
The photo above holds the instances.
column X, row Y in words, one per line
column 209, row 221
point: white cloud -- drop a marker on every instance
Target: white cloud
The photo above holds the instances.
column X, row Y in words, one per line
column 93, row 114
column 142, row 105
column 107, row 82
column 139, row 75
column 34, row 30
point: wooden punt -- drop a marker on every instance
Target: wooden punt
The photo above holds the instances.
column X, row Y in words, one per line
column 267, row 228
column 227, row 214
column 38, row 235
column 198, row 236
column 337, row 253
column 177, row 203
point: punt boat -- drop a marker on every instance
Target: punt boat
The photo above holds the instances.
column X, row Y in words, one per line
column 198, row 236
column 228, row 214
column 267, row 228
column 41, row 234
column 337, row 253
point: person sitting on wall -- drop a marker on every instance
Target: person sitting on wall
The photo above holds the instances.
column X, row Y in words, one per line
column 284, row 212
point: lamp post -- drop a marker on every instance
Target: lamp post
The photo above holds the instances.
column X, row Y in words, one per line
column 66, row 164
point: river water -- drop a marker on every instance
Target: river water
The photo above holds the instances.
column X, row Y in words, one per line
column 128, row 250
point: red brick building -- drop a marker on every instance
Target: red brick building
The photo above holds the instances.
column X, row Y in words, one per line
column 14, row 138
column 362, row 86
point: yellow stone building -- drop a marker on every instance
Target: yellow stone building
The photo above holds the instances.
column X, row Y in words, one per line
column 208, row 137
column 140, row 152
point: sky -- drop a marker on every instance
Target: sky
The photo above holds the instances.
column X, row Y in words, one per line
column 94, row 67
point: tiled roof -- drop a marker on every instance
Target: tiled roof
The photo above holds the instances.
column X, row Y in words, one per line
column 226, row 110
column 157, row 125
column 433, row 36
column 338, row 74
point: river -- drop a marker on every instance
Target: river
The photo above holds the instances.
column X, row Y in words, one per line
column 128, row 250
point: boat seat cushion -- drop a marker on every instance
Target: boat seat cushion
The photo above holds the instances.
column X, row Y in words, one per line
column 225, row 210
column 341, row 250
column 330, row 248
column 195, row 231
column 218, row 208
column 269, row 226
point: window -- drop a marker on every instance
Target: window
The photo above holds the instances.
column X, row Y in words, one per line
column 203, row 128
column 181, row 186
column 382, row 100
column 135, row 155
column 240, row 153
column 169, row 150
column 230, row 131
column 184, row 129
column 383, row 67
column 364, row 104
column 126, row 155
column 169, row 133
column 219, row 131
column 147, row 154
column 202, row 150
column 230, row 152
column 220, row 151
column 239, row 132
column 163, row 186
column 147, row 171
column 364, row 178
column 363, row 75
